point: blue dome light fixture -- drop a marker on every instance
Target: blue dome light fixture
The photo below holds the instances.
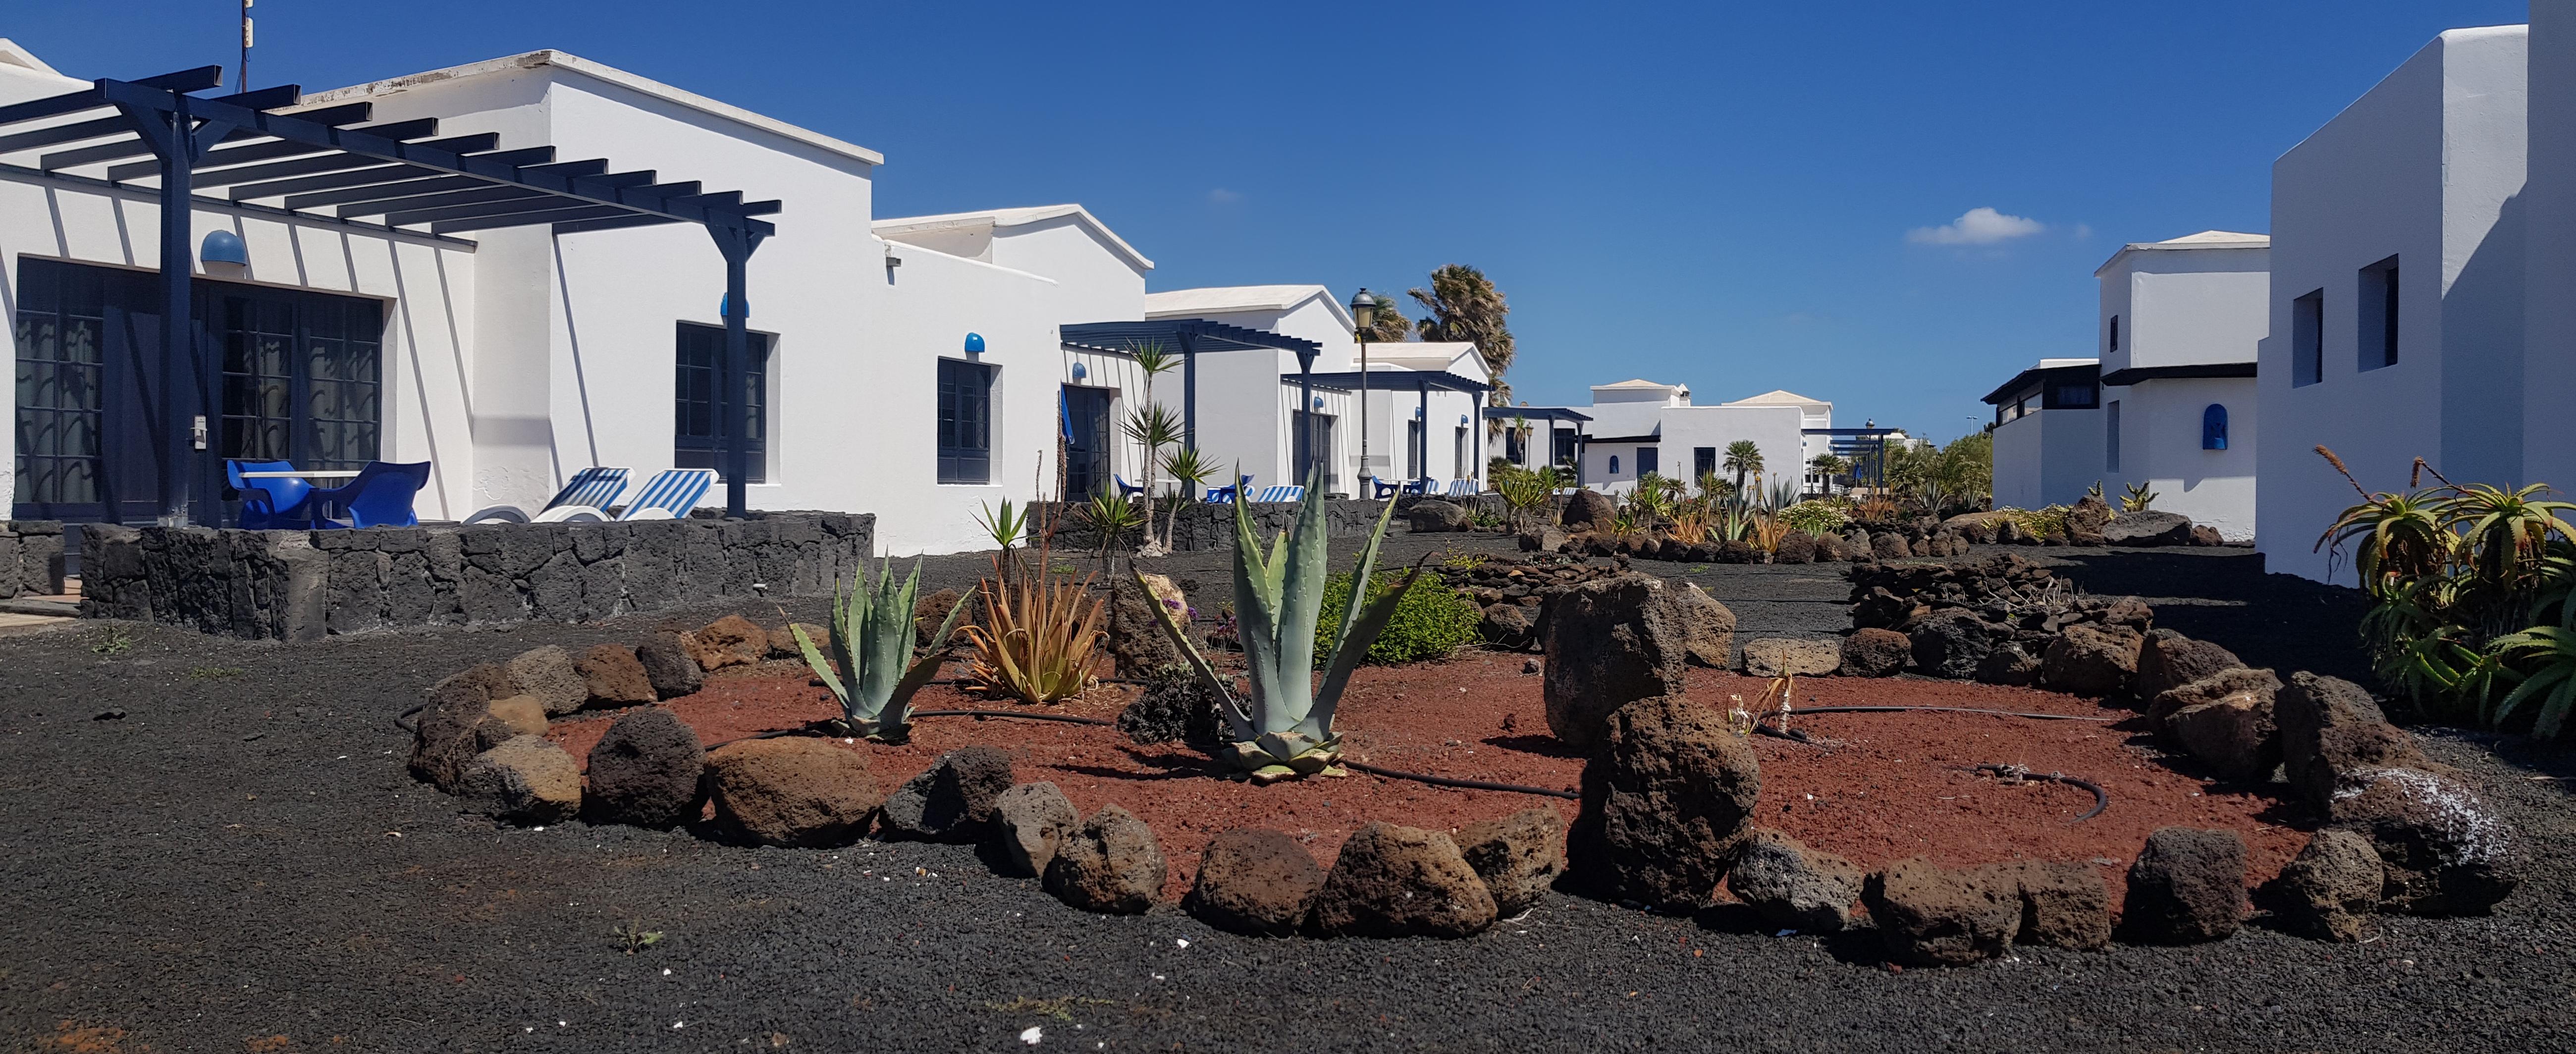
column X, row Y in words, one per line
column 1080, row 371
column 1318, row 402
column 223, row 247
column 974, row 343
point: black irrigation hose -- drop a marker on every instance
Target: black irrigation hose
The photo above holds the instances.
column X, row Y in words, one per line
column 1946, row 709
column 1069, row 718
column 1444, row 781
column 2101, row 798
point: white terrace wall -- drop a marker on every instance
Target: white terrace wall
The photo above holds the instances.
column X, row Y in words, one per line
column 2047, row 457
column 2160, row 447
column 429, row 286
column 2426, row 166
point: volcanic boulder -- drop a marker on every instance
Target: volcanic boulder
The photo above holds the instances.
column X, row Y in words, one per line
column 1952, row 641
column 2186, row 887
column 548, row 674
column 2330, row 890
column 524, row 780
column 793, row 791
column 2147, row 528
column 2238, row 683
column 457, row 724
column 2094, row 660
column 1791, row 886
column 1791, row 657
column 646, row 770
column 2234, row 735
column 1395, row 881
column 2330, row 730
column 1608, row 642
column 1664, row 798
column 2063, row 905
column 1434, row 516
column 1872, row 652
column 2010, row 663
column 952, row 800
column 1588, row 508
column 729, row 641
column 1255, row 881
column 1518, row 856
column 1930, row 915
column 1888, row 545
column 1707, row 627
column 1111, row 865
column 1029, row 821
column 2442, row 849
column 2170, row 660
column 1507, row 626
column 668, row 664
column 613, row 676
column 2085, row 522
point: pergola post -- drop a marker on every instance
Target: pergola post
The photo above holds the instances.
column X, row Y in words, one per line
column 188, row 388
column 1189, row 393
column 733, row 385
column 1306, row 407
column 1422, row 436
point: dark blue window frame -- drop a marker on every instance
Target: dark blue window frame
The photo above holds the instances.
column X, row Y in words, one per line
column 698, row 426
column 2213, row 428
column 965, row 422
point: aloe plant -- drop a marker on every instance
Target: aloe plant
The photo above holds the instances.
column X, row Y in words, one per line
column 1283, row 726
column 871, row 646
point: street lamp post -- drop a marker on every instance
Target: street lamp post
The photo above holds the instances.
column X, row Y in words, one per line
column 1364, row 315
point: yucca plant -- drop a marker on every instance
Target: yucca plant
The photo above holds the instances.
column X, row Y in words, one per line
column 1037, row 639
column 870, row 668
column 1283, row 726
column 1691, row 522
column 1112, row 516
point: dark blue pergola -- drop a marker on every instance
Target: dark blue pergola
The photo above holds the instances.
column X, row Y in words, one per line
column 1193, row 336
column 397, row 175
column 1551, row 415
column 1423, row 383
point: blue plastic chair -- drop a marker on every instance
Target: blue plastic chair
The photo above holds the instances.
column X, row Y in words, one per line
column 1417, row 488
column 270, row 504
column 670, row 494
column 1222, row 495
column 1125, row 489
column 380, row 496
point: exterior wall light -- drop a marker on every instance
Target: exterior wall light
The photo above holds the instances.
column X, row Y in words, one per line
column 1080, row 371
column 1318, row 402
column 224, row 253
column 1462, row 420
column 974, row 343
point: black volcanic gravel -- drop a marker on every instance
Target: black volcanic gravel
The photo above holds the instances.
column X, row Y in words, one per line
column 242, row 858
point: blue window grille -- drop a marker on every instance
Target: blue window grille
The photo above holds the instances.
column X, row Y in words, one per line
column 965, row 422
column 2213, row 428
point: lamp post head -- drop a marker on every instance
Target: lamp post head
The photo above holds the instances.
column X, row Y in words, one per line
column 1364, row 310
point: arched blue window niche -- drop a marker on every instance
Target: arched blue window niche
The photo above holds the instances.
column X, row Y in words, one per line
column 2213, row 428
column 1614, row 464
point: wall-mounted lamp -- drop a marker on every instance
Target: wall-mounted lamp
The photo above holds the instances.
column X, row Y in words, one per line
column 1417, row 413
column 974, row 343
column 224, row 253
column 1080, row 371
column 1319, row 402
column 1462, row 420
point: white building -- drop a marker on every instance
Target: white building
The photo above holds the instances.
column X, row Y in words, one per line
column 2048, row 434
column 2180, row 322
column 2423, row 176
column 1641, row 426
column 1815, row 426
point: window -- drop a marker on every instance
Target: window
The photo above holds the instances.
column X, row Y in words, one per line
column 2072, row 397
column 2213, row 428
column 1703, row 461
column 62, row 363
column 2111, row 438
column 1560, row 443
column 2115, row 334
column 1413, row 449
column 699, row 422
column 2307, row 339
column 1614, row 464
column 1323, row 449
column 1459, row 456
column 1649, row 459
column 965, row 422
column 2377, row 305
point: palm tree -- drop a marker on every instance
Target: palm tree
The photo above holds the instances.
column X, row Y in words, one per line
column 1390, row 326
column 1464, row 305
column 1154, row 426
column 1744, row 459
column 1829, row 466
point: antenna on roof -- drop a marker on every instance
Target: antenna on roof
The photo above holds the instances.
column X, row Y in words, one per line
column 245, row 61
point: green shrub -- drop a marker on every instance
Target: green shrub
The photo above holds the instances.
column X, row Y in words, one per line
column 2040, row 523
column 1431, row 620
column 1816, row 517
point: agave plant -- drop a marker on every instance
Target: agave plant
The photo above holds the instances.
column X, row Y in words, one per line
column 1283, row 726
column 2503, row 532
column 2547, row 655
column 870, row 668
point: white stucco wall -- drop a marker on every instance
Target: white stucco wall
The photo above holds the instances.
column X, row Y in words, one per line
column 2426, row 166
column 2549, row 213
column 2187, row 307
column 1773, row 429
column 2160, row 447
column 2047, row 457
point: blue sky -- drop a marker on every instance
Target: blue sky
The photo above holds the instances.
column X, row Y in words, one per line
column 1716, row 194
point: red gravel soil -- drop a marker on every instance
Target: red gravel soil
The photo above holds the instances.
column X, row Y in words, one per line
column 1880, row 787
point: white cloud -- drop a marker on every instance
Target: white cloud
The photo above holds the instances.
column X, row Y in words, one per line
column 1977, row 226
column 1222, row 196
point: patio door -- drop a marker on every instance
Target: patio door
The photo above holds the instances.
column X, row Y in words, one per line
column 300, row 383
column 1087, row 466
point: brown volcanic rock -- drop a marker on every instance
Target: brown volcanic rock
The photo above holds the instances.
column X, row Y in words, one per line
column 2331, row 889
column 2170, row 660
column 646, row 770
column 524, row 780
column 2331, row 729
column 457, row 724
column 1608, row 642
column 1519, row 856
column 2186, row 887
column 793, row 791
column 612, row 676
column 1395, row 881
column 1111, row 865
column 1255, row 881
column 1664, row 799
column 1930, row 915
column 729, row 641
